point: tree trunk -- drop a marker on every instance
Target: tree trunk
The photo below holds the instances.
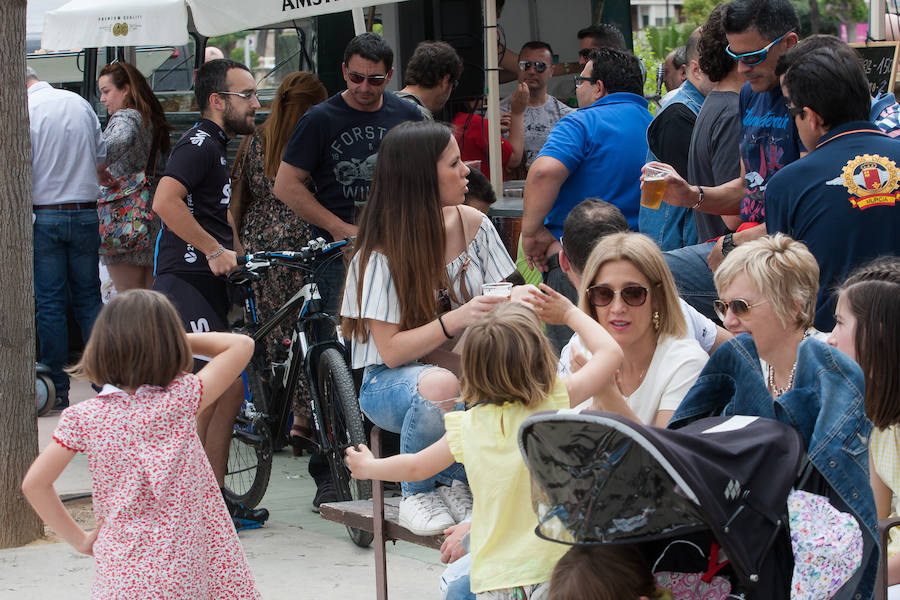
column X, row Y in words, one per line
column 18, row 417
column 814, row 17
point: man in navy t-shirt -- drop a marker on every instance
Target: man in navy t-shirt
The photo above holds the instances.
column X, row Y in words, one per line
column 758, row 33
column 336, row 144
column 196, row 247
column 840, row 200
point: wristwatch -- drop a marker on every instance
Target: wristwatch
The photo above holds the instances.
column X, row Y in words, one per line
column 728, row 244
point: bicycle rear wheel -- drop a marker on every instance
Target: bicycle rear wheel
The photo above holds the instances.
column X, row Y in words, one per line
column 343, row 426
column 250, row 454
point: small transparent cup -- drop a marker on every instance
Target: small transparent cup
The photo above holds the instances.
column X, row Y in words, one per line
column 502, row 289
column 653, row 188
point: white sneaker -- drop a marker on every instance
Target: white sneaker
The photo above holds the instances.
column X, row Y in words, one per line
column 458, row 499
column 425, row 514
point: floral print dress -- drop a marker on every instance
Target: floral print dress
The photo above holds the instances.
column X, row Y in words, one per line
column 164, row 529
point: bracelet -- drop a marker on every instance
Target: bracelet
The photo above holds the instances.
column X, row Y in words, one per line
column 700, row 201
column 441, row 321
column 219, row 252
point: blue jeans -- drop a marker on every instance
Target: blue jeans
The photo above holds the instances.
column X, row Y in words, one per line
column 693, row 277
column 66, row 245
column 391, row 400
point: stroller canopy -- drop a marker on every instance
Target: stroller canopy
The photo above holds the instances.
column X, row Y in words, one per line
column 600, row 478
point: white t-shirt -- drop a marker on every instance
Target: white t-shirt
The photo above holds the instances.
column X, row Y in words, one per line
column 674, row 368
column 538, row 121
column 699, row 327
column 490, row 263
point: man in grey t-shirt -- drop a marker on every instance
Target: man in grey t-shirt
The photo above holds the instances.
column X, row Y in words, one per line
column 431, row 74
column 543, row 110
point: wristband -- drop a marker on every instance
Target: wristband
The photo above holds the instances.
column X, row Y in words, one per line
column 441, row 321
column 219, row 252
column 700, row 201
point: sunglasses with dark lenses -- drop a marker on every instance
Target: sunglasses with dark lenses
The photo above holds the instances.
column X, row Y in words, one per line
column 793, row 110
column 580, row 79
column 539, row 66
column 633, row 295
column 753, row 58
column 738, row 307
column 376, row 80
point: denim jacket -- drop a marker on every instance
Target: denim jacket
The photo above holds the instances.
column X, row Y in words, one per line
column 670, row 226
column 825, row 405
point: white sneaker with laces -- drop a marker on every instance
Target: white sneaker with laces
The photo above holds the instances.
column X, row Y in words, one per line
column 425, row 514
column 458, row 499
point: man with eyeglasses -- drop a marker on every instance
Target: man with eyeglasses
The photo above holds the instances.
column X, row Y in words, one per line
column 758, row 33
column 197, row 244
column 543, row 110
column 432, row 73
column 840, row 199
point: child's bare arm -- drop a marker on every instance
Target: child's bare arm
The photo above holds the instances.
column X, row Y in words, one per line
column 38, row 489
column 401, row 467
column 606, row 357
column 230, row 353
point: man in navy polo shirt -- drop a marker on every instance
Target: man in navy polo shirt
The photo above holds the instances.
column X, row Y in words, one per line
column 841, row 199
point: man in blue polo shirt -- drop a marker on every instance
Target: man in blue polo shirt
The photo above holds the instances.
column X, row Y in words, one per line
column 841, row 199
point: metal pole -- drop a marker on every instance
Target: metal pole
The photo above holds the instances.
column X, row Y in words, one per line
column 493, row 105
column 876, row 20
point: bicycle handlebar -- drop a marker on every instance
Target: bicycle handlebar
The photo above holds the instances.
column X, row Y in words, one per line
column 317, row 250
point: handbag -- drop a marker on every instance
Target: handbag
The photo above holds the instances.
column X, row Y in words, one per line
column 124, row 212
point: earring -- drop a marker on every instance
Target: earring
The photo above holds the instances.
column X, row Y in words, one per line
column 656, row 320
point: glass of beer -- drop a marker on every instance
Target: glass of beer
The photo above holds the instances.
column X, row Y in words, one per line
column 502, row 289
column 653, row 188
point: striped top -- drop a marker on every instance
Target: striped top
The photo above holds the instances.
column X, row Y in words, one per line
column 490, row 263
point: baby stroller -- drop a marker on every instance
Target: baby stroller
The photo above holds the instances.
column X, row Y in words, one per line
column 719, row 485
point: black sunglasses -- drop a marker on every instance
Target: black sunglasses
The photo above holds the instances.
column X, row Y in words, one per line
column 739, row 307
column 793, row 110
column 632, row 295
column 376, row 80
column 539, row 66
column 579, row 80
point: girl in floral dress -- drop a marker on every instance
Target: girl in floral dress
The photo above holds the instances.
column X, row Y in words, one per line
column 162, row 526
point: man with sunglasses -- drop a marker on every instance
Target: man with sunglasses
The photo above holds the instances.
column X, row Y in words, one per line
column 758, row 33
column 197, row 245
column 543, row 110
column 840, row 199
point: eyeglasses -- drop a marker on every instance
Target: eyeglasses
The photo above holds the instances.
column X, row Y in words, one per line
column 539, row 66
column 244, row 95
column 585, row 53
column 753, row 58
column 579, row 80
column 376, row 80
column 793, row 110
column 632, row 295
column 738, row 307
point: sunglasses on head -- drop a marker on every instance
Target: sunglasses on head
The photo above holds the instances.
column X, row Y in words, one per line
column 632, row 295
column 539, row 66
column 756, row 57
column 738, row 307
column 376, row 80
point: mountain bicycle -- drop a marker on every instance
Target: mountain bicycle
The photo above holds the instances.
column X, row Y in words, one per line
column 316, row 349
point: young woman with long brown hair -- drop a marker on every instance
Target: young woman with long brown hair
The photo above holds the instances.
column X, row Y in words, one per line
column 413, row 285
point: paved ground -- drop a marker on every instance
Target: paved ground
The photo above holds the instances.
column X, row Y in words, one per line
column 296, row 555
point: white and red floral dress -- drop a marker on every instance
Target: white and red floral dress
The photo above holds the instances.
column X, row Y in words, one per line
column 166, row 532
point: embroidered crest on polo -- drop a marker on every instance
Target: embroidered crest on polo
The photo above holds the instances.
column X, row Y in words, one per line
column 872, row 179
column 199, row 137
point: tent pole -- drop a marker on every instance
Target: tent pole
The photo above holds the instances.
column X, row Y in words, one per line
column 493, row 102
column 359, row 20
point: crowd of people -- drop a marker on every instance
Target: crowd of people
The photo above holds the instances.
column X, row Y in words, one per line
column 765, row 284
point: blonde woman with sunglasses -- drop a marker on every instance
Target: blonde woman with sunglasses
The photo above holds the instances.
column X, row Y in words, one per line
column 768, row 288
column 627, row 288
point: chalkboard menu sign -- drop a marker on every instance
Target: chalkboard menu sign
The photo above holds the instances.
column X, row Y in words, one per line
column 880, row 62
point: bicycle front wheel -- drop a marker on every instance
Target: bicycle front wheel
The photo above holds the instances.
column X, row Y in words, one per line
column 343, row 426
column 250, row 454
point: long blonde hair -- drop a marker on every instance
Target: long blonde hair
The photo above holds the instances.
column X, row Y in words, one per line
column 507, row 358
column 647, row 258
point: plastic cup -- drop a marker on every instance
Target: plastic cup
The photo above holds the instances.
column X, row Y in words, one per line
column 653, row 188
column 502, row 289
